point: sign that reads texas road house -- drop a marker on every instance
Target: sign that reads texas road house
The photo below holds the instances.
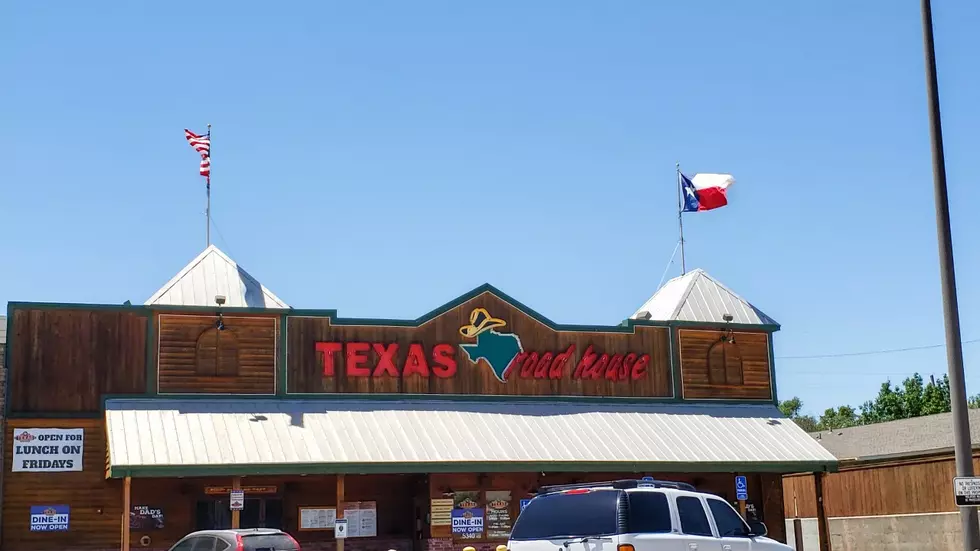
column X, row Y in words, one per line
column 483, row 344
column 47, row 450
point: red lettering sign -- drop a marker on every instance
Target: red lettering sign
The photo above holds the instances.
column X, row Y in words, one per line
column 378, row 359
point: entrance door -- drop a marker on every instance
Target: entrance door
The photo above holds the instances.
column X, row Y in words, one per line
column 214, row 514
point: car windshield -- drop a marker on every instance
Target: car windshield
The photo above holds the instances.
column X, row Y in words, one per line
column 569, row 515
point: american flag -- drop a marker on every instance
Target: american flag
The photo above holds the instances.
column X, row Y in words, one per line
column 201, row 144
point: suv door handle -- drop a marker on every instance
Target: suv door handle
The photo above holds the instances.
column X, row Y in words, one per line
column 726, row 547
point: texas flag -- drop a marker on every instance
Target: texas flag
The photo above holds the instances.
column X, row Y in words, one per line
column 705, row 191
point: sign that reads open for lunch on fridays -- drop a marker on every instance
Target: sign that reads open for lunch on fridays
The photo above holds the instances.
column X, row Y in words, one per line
column 47, row 450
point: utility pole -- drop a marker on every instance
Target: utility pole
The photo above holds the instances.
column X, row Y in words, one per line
column 954, row 344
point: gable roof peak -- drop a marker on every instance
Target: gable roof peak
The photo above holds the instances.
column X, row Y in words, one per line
column 210, row 274
column 696, row 296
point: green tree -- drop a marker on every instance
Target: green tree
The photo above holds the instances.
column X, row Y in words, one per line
column 935, row 396
column 975, row 401
column 840, row 418
column 911, row 399
column 792, row 408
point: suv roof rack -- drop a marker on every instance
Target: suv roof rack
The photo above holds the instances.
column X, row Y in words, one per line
column 619, row 485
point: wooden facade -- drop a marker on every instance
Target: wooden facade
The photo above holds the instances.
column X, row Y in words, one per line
column 429, row 358
column 65, row 360
column 196, row 356
column 725, row 364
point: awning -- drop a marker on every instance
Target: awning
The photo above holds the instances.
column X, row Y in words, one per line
column 200, row 437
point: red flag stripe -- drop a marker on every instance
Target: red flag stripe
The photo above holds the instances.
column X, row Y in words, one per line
column 201, row 144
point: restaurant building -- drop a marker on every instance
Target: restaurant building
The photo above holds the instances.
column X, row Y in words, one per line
column 215, row 404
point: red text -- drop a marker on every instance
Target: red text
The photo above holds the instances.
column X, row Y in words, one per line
column 376, row 359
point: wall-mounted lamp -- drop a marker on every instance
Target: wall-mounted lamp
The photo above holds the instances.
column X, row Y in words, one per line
column 220, row 301
column 729, row 336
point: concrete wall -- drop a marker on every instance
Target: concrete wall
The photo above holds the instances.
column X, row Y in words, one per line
column 918, row 532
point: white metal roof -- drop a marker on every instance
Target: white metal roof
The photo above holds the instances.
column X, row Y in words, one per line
column 214, row 273
column 696, row 296
column 434, row 434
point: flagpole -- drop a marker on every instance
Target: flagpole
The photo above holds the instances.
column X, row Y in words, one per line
column 208, row 211
column 680, row 219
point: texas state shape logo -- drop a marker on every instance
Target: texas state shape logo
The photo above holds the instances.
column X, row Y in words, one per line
column 497, row 349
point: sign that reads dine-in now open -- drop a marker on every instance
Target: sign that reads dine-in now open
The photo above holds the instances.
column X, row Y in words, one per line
column 967, row 491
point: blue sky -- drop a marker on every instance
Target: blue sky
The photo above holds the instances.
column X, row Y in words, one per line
column 382, row 158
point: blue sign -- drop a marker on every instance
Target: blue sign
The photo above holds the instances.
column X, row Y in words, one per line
column 524, row 503
column 49, row 518
column 741, row 488
column 467, row 521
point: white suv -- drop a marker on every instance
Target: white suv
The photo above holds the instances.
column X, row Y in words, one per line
column 634, row 515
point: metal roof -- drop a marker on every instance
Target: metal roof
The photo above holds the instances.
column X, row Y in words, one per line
column 297, row 436
column 214, row 273
column 905, row 437
column 696, row 296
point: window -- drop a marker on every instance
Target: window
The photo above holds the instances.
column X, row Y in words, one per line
column 268, row 542
column 217, row 353
column 186, row 545
column 725, row 363
column 729, row 522
column 649, row 513
column 204, row 543
column 222, row 545
column 591, row 513
column 693, row 519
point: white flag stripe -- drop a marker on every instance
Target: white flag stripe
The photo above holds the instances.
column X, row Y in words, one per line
column 706, row 181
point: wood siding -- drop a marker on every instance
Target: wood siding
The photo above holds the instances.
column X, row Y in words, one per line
column 712, row 369
column 306, row 364
column 66, row 360
column 195, row 357
column 920, row 486
column 95, row 503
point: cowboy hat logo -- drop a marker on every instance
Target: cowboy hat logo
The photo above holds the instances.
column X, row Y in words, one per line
column 496, row 349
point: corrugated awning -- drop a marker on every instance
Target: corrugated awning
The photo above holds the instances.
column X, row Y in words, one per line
column 198, row 437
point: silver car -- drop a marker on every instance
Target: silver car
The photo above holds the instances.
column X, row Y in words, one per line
column 246, row 539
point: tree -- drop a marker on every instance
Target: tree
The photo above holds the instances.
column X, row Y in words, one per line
column 911, row 399
column 791, row 408
column 975, row 401
column 839, row 418
column 935, row 397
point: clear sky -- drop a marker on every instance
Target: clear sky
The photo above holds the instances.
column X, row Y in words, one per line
column 384, row 157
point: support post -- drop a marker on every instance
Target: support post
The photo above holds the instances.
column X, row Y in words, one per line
column 798, row 534
column 821, row 515
column 236, row 516
column 340, row 506
column 127, row 483
column 962, row 445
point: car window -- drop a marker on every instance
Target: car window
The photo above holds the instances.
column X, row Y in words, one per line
column 268, row 542
column 592, row 513
column 649, row 513
column 694, row 521
column 729, row 523
column 186, row 545
column 221, row 545
column 204, row 543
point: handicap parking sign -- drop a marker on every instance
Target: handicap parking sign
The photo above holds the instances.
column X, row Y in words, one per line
column 741, row 488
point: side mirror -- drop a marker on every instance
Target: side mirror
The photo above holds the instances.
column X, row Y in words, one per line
column 757, row 529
